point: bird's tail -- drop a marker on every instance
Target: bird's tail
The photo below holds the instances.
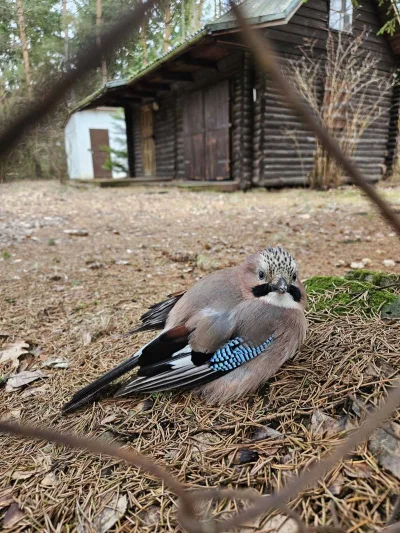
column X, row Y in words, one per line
column 101, row 387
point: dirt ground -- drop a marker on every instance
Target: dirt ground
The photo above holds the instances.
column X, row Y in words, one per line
column 71, row 296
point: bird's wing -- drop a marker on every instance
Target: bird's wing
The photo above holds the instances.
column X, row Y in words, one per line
column 188, row 369
column 156, row 316
column 163, row 346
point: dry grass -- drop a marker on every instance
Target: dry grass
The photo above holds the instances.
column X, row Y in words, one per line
column 54, row 300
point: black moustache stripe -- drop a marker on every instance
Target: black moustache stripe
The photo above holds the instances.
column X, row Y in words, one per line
column 262, row 290
column 266, row 288
column 294, row 292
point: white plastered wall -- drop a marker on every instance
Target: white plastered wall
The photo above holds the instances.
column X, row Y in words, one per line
column 77, row 140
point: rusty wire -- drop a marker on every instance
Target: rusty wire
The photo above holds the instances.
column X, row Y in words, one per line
column 265, row 56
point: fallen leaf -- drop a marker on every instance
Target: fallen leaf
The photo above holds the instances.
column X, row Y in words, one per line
column 322, row 424
column 17, row 381
column 20, row 474
column 49, row 480
column 279, row 524
column 386, row 448
column 77, row 232
column 36, row 391
column 112, row 512
column 87, row 338
column 108, row 419
column 265, row 431
column 358, row 470
column 56, row 362
column 6, row 497
column 13, row 353
column 337, row 485
column 12, row 414
column 13, row 516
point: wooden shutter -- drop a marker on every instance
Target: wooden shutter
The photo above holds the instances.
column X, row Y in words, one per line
column 148, row 147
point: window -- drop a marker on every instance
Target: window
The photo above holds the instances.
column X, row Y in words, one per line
column 341, row 15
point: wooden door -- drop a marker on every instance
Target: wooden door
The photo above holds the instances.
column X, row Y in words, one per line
column 206, row 133
column 216, row 110
column 98, row 140
column 193, row 131
column 148, row 147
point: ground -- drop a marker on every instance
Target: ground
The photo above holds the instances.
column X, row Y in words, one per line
column 72, row 296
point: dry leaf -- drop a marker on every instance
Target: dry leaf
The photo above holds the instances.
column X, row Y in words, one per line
column 279, row 524
column 12, row 414
column 358, row 470
column 6, row 497
column 35, row 391
column 23, row 378
column 386, row 449
column 322, row 424
column 337, row 485
column 13, row 352
column 49, row 480
column 56, row 362
column 12, row 516
column 265, row 432
column 20, row 474
column 112, row 512
column 108, row 419
column 87, row 338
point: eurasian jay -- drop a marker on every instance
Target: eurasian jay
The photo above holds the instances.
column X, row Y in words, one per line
column 224, row 337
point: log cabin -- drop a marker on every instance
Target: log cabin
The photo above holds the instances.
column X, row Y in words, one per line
column 203, row 112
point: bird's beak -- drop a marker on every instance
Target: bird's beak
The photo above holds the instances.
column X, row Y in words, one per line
column 280, row 286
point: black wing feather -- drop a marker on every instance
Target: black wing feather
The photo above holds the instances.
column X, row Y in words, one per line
column 156, row 316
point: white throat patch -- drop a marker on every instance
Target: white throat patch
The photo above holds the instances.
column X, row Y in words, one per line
column 281, row 300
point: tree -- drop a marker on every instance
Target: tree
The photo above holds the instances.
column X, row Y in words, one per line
column 99, row 22
column 24, row 43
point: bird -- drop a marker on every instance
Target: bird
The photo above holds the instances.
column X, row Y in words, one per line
column 224, row 337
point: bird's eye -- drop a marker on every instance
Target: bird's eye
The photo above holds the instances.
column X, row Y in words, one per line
column 261, row 274
column 294, row 277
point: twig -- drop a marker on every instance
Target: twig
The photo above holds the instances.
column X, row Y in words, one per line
column 265, row 56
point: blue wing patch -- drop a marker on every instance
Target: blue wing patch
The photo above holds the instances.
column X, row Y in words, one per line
column 235, row 353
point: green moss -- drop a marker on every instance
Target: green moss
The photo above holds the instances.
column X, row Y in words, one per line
column 341, row 296
column 380, row 279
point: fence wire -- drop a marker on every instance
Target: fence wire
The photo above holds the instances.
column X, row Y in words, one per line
column 188, row 497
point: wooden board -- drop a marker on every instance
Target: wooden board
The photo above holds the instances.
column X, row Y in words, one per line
column 99, row 139
column 206, row 133
column 216, row 111
column 148, row 151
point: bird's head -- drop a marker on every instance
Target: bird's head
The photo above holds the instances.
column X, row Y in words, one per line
column 273, row 274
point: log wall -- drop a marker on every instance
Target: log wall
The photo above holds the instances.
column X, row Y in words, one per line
column 283, row 148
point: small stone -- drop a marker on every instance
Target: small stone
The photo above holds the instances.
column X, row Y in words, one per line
column 356, row 265
column 389, row 263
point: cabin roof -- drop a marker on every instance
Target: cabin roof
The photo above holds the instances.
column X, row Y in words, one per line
column 257, row 12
